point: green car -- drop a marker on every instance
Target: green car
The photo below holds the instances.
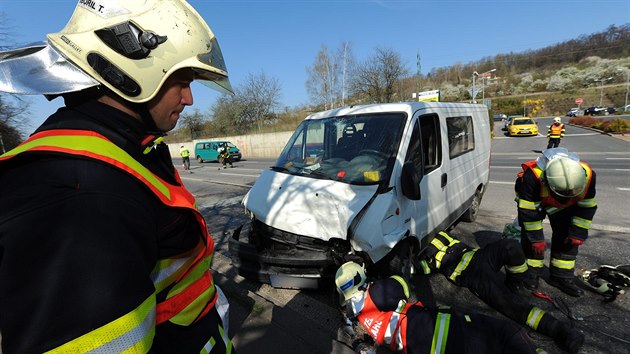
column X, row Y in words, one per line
column 207, row 150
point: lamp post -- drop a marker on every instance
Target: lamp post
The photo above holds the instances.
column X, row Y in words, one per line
column 483, row 83
column 601, row 93
column 625, row 104
column 473, row 93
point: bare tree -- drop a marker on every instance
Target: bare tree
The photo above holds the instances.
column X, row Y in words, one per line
column 260, row 98
column 192, row 122
column 376, row 79
column 326, row 83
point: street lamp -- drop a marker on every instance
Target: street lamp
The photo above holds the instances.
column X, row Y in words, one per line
column 483, row 83
column 472, row 92
column 601, row 93
column 627, row 85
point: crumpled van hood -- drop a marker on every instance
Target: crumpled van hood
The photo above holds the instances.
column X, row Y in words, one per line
column 317, row 208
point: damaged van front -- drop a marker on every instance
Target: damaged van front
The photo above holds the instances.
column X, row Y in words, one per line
column 336, row 193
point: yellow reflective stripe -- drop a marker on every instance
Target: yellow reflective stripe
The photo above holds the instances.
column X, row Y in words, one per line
column 447, row 237
column 99, row 146
column 440, row 333
column 562, row 264
column 226, row 340
column 463, row 263
column 533, row 225
column 166, row 271
column 535, row 263
column 534, row 317
column 402, row 282
column 425, row 267
column 131, row 333
column 587, row 203
column 527, row 205
column 581, row 222
column 517, row 269
column 438, row 244
column 552, row 210
column 208, row 347
column 187, row 315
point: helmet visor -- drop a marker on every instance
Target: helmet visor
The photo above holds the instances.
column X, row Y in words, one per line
column 38, row 69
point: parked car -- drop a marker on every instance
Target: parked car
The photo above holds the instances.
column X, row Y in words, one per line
column 207, row 151
column 499, row 116
column 507, row 121
column 522, row 126
column 623, row 109
column 574, row 112
column 595, row 110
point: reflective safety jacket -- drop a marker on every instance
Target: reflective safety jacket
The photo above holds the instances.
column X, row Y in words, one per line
column 556, row 131
column 447, row 255
column 184, row 282
column 535, row 201
column 184, row 152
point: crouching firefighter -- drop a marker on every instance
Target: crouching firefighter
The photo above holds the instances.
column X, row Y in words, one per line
column 479, row 270
column 382, row 310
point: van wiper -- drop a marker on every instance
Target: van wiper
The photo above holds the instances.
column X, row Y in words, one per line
column 280, row 169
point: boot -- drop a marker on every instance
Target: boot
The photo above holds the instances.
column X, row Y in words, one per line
column 531, row 281
column 567, row 338
column 566, row 285
column 515, row 285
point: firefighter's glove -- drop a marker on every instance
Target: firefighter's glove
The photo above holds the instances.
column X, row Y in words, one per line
column 575, row 241
column 539, row 247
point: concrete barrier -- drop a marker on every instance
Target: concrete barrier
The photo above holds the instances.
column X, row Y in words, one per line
column 268, row 145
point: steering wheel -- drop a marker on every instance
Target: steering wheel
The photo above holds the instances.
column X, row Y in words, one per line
column 373, row 152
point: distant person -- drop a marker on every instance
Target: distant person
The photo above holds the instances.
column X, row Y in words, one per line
column 224, row 155
column 381, row 308
column 185, row 153
column 479, row 270
column 555, row 133
column 102, row 248
column 562, row 187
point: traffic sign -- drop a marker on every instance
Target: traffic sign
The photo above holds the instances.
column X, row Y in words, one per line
column 578, row 100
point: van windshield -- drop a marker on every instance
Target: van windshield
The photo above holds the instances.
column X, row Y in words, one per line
column 355, row 149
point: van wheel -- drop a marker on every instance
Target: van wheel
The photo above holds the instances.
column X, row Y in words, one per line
column 471, row 214
column 199, row 159
column 398, row 261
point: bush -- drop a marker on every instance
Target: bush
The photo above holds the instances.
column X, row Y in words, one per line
column 617, row 125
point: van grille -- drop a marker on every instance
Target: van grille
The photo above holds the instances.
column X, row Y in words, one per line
column 273, row 239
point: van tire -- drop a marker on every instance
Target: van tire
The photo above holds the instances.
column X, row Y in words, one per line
column 471, row 214
column 399, row 261
column 199, row 159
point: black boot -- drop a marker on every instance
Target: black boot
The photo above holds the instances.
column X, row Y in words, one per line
column 531, row 281
column 515, row 284
column 566, row 285
column 567, row 338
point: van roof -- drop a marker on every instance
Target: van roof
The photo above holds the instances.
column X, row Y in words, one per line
column 392, row 107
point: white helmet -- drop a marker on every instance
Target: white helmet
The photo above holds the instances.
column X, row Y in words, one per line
column 349, row 279
column 565, row 176
column 129, row 46
column 557, row 120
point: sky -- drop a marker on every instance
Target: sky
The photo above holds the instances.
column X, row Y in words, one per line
column 281, row 38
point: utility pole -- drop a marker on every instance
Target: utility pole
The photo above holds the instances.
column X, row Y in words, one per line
column 418, row 75
column 473, row 93
column 483, row 83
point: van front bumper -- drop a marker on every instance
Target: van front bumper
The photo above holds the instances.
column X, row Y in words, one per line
column 281, row 259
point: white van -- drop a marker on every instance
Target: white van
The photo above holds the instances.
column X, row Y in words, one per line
column 371, row 183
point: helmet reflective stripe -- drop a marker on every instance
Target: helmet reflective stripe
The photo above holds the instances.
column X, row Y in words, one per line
column 562, row 263
column 534, row 317
column 440, row 333
column 463, row 263
column 132, row 332
column 403, row 283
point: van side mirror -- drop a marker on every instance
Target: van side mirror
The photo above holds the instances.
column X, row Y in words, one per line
column 410, row 181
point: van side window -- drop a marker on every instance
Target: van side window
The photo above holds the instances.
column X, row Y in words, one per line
column 461, row 137
column 424, row 144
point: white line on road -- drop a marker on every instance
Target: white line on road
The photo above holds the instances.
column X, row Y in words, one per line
column 239, row 174
column 623, row 189
column 499, row 182
column 622, row 169
column 618, row 158
column 510, row 167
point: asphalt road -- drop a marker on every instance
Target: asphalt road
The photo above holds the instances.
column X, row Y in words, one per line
column 268, row 320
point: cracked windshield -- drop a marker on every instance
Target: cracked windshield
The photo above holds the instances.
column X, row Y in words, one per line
column 357, row 149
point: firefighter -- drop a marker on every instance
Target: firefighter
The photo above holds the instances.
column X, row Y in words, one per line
column 562, row 187
column 185, row 154
column 479, row 270
column 555, row 133
column 381, row 309
column 102, row 248
column 224, row 155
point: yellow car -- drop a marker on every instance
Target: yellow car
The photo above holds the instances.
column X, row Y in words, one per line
column 522, row 126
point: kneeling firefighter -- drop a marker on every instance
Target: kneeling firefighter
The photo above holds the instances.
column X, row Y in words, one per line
column 479, row 270
column 381, row 308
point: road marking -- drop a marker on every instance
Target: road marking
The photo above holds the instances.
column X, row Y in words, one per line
column 499, row 182
column 618, row 158
column 622, row 169
column 623, row 189
column 510, row 167
column 238, row 174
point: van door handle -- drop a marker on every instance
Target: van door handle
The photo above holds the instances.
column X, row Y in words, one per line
column 444, row 179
